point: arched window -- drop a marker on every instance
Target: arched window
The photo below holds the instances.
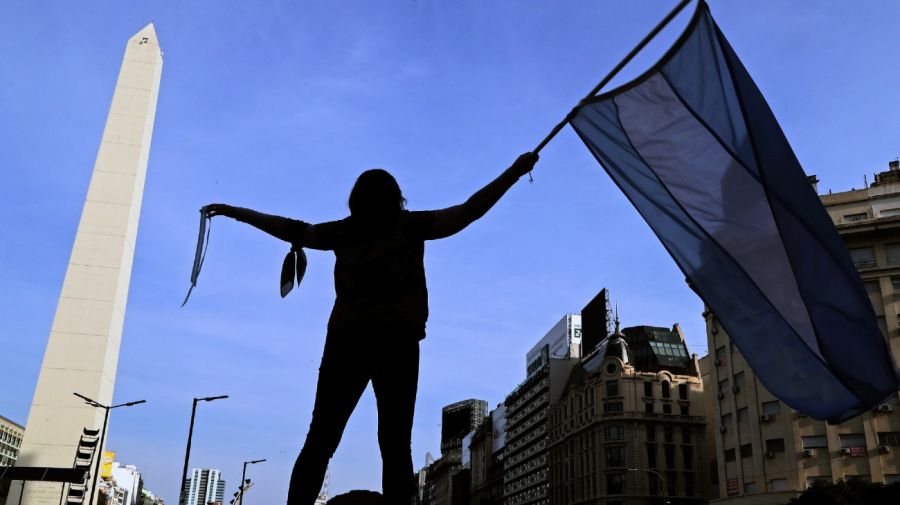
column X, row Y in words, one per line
column 665, row 389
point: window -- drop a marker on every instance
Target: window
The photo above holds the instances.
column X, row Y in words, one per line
column 775, row 445
column 688, row 453
column 738, row 381
column 684, row 410
column 615, row 456
column 729, row 455
column 743, row 415
column 853, row 444
column 746, row 451
column 648, row 386
column 771, row 408
column 895, row 282
column 612, row 407
column 814, row 442
column 749, row 487
column 670, row 483
column 615, row 482
column 667, row 434
column 778, row 484
column 723, row 386
column 685, row 434
column 852, row 439
column 889, row 438
column 665, row 389
column 689, row 484
column 852, row 218
column 892, row 251
column 864, row 257
column 669, row 451
column 811, row 481
column 615, row 432
column 682, row 391
column 726, row 421
column 667, row 408
column 612, row 388
column 889, row 212
column 651, row 432
column 651, row 455
column 648, row 407
column 721, row 357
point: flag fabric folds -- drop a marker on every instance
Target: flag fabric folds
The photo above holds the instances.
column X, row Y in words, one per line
column 696, row 149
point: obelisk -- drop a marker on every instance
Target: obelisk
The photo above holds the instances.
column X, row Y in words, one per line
column 83, row 349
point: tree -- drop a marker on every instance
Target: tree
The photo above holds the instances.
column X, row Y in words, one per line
column 849, row 492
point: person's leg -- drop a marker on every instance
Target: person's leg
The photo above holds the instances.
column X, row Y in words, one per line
column 341, row 383
column 395, row 382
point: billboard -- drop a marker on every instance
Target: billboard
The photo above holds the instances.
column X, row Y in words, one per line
column 562, row 341
column 106, row 462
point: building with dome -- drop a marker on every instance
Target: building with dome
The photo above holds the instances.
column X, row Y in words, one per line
column 628, row 425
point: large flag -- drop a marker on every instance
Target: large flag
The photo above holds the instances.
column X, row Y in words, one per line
column 696, row 149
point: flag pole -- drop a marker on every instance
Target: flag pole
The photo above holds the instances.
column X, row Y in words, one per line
column 662, row 24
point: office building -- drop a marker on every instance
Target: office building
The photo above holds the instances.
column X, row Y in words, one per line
column 10, row 441
column 458, row 421
column 486, row 459
column 548, row 363
column 204, row 486
column 766, row 452
column 82, row 351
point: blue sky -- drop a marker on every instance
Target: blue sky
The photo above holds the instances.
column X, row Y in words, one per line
column 280, row 105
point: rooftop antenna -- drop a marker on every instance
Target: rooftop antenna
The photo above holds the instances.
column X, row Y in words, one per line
column 617, row 318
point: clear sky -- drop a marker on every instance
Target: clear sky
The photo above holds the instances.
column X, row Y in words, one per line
column 279, row 105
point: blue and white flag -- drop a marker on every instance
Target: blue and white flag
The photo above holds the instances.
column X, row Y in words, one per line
column 696, row 149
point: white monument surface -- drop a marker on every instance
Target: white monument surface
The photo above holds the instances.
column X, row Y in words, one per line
column 83, row 349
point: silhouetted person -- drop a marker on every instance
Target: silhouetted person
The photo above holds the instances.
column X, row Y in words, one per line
column 378, row 318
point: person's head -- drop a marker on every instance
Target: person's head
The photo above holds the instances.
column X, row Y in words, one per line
column 376, row 195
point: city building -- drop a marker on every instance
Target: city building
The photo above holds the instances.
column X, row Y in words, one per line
column 82, row 351
column 10, row 441
column 766, row 452
column 128, row 479
column 629, row 425
column 548, row 363
column 458, row 421
column 486, row 459
column 204, row 486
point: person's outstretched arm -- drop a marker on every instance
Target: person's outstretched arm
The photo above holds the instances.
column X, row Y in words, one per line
column 454, row 219
column 298, row 233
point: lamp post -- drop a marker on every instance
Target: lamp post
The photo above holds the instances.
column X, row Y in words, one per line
column 106, row 408
column 661, row 479
column 182, row 500
column 244, row 478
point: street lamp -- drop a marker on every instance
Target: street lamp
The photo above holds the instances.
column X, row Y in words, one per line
column 244, row 480
column 187, row 452
column 239, row 494
column 661, row 479
column 106, row 408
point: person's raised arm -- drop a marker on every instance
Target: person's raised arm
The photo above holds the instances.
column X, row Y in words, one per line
column 453, row 219
column 298, row 233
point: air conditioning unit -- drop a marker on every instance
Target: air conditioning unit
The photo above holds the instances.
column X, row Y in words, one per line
column 884, row 407
column 722, row 429
column 735, row 389
column 845, row 451
column 883, row 449
column 770, row 454
column 721, row 395
column 808, row 453
column 765, row 418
